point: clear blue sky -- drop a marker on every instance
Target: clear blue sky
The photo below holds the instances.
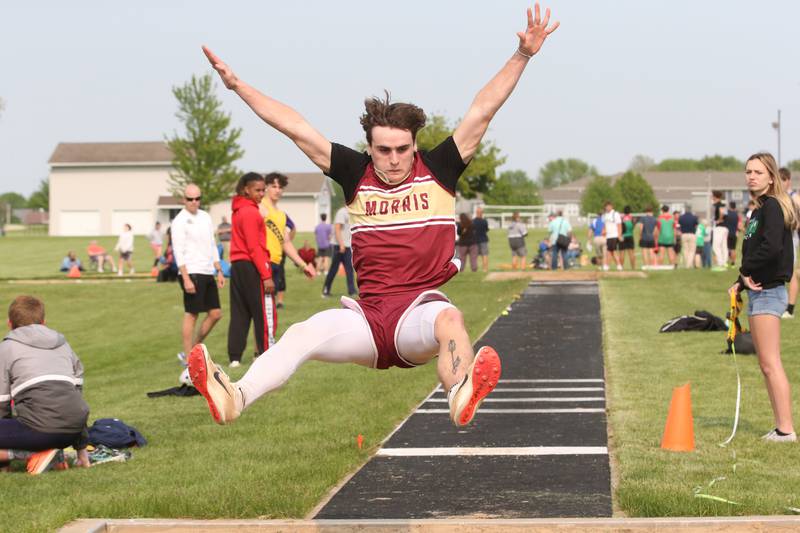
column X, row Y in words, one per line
column 664, row 78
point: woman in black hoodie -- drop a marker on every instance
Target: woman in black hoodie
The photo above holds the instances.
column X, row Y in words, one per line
column 767, row 258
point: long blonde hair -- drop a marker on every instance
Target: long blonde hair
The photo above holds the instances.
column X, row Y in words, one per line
column 775, row 189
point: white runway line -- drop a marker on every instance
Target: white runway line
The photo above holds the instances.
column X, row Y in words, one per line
column 580, row 399
column 467, row 451
column 551, row 381
column 548, row 389
column 485, row 411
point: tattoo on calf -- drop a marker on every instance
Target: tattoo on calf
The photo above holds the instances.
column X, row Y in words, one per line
column 451, row 347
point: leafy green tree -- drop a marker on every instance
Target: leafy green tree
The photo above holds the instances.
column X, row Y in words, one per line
column 513, row 187
column 707, row 163
column 794, row 165
column 14, row 199
column 481, row 172
column 563, row 171
column 597, row 193
column 641, row 163
column 205, row 154
column 40, row 198
column 633, row 190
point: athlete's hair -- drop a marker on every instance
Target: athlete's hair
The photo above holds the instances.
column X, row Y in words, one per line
column 324, row 217
column 25, row 310
column 245, row 180
column 665, row 209
column 394, row 115
column 626, row 210
column 282, row 180
column 717, row 194
column 465, row 221
column 785, row 173
column 776, row 190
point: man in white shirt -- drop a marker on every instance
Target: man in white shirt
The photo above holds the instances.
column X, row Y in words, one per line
column 612, row 229
column 342, row 254
column 197, row 258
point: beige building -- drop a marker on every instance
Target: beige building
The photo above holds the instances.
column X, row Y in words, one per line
column 96, row 188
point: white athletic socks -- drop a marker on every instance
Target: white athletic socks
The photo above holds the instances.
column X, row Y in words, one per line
column 452, row 392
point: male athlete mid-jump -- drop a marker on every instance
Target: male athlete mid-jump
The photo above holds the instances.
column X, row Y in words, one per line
column 401, row 204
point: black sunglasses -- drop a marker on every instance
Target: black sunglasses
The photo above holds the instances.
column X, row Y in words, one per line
column 195, row 199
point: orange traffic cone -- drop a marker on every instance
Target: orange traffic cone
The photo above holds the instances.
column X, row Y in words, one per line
column 341, row 270
column 154, row 272
column 679, row 429
column 74, row 272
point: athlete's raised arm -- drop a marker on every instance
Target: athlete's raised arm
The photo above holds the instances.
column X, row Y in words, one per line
column 280, row 116
column 470, row 131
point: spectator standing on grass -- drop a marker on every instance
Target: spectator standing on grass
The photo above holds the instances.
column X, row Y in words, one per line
column 322, row 234
column 647, row 239
column 402, row 202
column 156, row 240
column 124, row 247
column 71, row 260
column 559, row 227
column 688, row 225
column 517, row 231
column 612, row 230
column 597, row 239
column 251, row 287
column 700, row 253
column 42, row 409
column 279, row 230
column 766, row 267
column 733, row 222
column 342, row 254
column 626, row 245
column 200, row 272
column 481, row 228
column 665, row 236
column 719, row 235
column 794, row 285
column 466, row 243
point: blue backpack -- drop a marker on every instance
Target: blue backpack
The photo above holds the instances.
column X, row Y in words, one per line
column 115, row 433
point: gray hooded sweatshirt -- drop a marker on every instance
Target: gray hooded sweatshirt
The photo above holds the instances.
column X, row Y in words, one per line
column 44, row 377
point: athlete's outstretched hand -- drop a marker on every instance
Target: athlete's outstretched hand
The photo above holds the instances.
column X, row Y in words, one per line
column 226, row 74
column 531, row 40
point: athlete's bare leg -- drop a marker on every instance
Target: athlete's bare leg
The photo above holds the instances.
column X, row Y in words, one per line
column 213, row 316
column 455, row 348
column 187, row 331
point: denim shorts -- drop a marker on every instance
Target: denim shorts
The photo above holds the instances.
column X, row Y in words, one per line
column 768, row 301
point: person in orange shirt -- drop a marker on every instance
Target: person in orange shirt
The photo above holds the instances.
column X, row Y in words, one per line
column 97, row 254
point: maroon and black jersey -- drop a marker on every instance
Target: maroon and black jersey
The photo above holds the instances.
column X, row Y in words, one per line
column 403, row 235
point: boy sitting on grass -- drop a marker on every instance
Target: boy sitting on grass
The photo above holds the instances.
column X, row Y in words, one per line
column 41, row 406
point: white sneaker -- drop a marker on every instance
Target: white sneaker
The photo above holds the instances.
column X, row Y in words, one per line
column 225, row 400
column 133, row 271
column 182, row 358
column 235, row 364
column 605, row 268
column 619, row 267
column 773, row 436
column 787, row 314
column 481, row 379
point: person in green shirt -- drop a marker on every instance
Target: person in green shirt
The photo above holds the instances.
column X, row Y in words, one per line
column 700, row 239
column 665, row 235
column 626, row 245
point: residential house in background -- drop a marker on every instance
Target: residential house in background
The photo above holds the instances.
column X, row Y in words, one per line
column 96, row 188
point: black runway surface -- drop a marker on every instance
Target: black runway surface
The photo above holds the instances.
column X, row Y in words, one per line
column 536, row 448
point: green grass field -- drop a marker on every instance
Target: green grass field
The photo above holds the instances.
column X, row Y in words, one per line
column 293, row 446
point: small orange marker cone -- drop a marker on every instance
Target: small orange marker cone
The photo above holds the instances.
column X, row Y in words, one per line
column 154, row 272
column 74, row 272
column 341, row 270
column 679, row 429
column 360, row 441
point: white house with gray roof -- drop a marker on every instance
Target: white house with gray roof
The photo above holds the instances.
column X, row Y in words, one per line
column 96, row 188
